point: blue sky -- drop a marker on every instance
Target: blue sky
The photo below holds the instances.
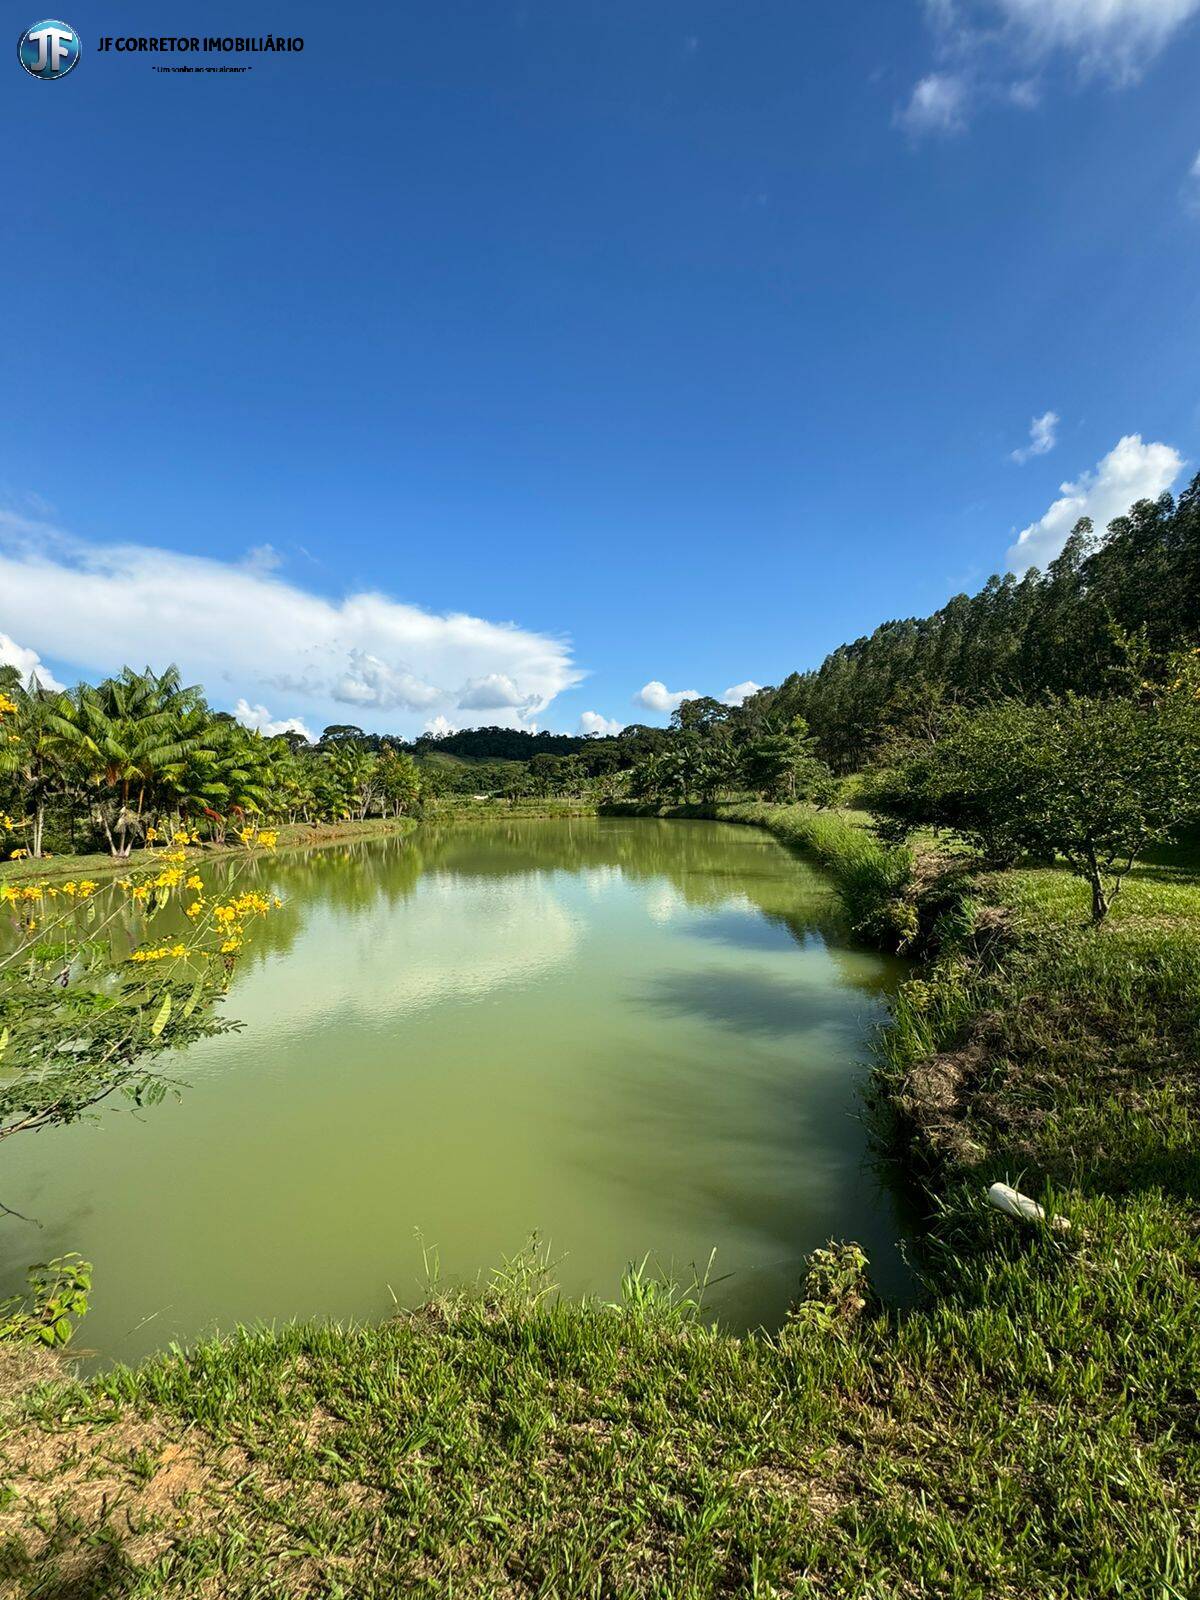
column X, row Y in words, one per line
column 493, row 361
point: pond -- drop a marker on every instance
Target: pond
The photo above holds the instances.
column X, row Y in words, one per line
column 634, row 1038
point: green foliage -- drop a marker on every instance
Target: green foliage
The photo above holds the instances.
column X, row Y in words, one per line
column 1027, row 1433
column 1066, row 629
column 1094, row 781
column 785, row 767
column 69, row 1046
column 58, row 1291
column 140, row 753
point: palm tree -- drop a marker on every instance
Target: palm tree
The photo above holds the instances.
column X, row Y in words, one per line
column 226, row 777
column 144, row 727
column 46, row 751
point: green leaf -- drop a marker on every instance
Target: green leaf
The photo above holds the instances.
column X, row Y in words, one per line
column 160, row 1021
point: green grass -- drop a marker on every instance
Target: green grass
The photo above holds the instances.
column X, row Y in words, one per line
column 1030, row 1428
column 1027, row 1435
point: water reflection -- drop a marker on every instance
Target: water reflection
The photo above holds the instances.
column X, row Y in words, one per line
column 632, row 1035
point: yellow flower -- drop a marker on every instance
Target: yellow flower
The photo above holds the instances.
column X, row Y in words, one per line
column 195, row 881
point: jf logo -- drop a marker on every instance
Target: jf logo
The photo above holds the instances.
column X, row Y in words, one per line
column 49, row 50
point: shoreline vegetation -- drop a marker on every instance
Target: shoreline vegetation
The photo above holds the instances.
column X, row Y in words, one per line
column 1006, row 792
column 290, row 836
column 1030, row 1426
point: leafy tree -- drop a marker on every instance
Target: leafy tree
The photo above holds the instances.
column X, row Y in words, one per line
column 143, row 730
column 785, row 766
column 1095, row 781
column 43, row 746
column 399, row 781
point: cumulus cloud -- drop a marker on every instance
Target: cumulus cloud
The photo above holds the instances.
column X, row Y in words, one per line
column 1043, row 436
column 655, row 696
column 937, row 105
column 244, row 629
column 27, row 662
column 992, row 51
column 491, row 693
column 738, row 692
column 368, row 681
column 1131, row 471
column 260, row 719
column 439, row 727
column 592, row 722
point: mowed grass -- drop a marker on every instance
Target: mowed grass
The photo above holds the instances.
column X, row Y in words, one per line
column 1030, row 1428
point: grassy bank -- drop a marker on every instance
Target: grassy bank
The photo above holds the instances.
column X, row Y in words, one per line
column 291, row 836
column 1030, row 1429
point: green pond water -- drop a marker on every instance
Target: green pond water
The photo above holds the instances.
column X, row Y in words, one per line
column 632, row 1037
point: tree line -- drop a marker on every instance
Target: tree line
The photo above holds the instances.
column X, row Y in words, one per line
column 1065, row 629
column 988, row 718
column 111, row 765
column 1052, row 716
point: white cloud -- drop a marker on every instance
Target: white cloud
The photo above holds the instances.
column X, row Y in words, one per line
column 259, row 718
column 592, row 722
column 1043, row 436
column 1191, row 191
column 985, row 50
column 655, row 696
column 368, row 681
column 738, row 692
column 491, row 693
column 937, row 105
column 263, row 558
column 1131, row 471
column 245, row 630
column 27, row 662
column 1115, row 38
column 439, row 727
column 1026, row 94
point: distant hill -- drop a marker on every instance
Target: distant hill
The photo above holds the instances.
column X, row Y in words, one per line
column 503, row 744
